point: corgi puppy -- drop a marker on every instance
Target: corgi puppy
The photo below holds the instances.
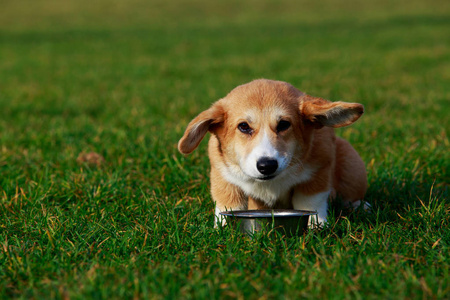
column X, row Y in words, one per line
column 272, row 146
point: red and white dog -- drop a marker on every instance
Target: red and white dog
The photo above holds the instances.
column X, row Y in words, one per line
column 272, row 146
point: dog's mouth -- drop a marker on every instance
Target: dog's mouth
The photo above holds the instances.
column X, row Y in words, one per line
column 266, row 178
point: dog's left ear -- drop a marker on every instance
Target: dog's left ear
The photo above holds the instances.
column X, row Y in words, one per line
column 320, row 112
column 199, row 126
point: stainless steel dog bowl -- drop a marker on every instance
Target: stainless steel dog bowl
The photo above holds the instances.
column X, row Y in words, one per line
column 289, row 222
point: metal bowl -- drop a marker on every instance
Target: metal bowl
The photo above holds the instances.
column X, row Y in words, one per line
column 289, row 222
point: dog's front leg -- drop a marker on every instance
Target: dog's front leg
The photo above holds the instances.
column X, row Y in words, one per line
column 226, row 196
column 316, row 202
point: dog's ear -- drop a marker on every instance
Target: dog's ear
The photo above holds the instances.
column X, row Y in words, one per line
column 198, row 127
column 320, row 112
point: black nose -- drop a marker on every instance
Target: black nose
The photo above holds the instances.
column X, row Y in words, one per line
column 267, row 165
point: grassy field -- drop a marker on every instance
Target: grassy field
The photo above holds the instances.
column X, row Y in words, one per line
column 123, row 79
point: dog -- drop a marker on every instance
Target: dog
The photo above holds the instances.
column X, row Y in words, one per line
column 272, row 146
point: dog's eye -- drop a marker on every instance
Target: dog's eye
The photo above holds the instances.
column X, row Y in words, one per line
column 283, row 125
column 245, row 128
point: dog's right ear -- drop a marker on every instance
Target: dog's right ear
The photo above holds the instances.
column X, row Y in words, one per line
column 320, row 112
column 198, row 127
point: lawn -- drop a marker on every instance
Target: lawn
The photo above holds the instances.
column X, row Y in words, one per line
column 123, row 79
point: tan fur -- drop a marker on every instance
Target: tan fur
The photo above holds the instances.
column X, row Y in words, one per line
column 317, row 161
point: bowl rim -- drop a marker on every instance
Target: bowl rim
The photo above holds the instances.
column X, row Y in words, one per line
column 268, row 213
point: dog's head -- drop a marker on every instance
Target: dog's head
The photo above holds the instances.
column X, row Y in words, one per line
column 265, row 127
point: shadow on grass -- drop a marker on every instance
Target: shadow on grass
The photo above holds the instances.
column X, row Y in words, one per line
column 393, row 201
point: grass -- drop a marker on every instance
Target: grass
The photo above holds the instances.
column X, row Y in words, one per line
column 123, row 78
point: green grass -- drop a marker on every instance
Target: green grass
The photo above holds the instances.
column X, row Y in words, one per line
column 123, row 78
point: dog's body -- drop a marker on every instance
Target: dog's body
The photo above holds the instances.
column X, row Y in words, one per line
column 272, row 146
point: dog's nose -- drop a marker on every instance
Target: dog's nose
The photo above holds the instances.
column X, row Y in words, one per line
column 267, row 165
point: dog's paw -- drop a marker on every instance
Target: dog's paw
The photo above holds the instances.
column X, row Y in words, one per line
column 361, row 204
column 219, row 219
column 220, row 222
column 316, row 222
